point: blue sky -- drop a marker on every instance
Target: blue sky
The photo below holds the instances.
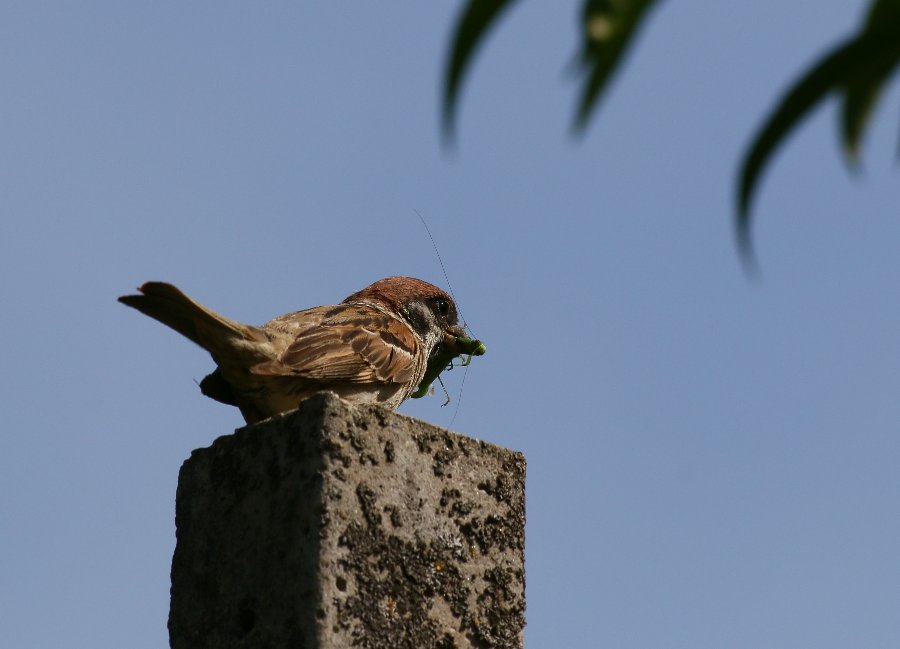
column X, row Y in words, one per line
column 712, row 462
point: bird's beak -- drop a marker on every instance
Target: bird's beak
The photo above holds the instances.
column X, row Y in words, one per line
column 455, row 331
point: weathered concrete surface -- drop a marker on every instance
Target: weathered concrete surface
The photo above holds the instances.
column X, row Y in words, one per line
column 337, row 526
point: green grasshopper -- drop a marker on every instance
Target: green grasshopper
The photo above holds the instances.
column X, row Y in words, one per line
column 448, row 351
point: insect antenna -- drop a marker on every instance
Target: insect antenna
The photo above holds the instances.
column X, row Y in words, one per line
column 458, row 310
column 443, row 270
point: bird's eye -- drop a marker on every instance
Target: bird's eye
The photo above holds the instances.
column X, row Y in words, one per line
column 443, row 307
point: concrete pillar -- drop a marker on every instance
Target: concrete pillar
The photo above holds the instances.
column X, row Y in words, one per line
column 338, row 526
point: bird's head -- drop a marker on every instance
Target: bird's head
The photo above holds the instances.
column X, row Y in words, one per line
column 427, row 309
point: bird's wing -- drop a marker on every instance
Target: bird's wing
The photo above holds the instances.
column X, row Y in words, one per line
column 346, row 343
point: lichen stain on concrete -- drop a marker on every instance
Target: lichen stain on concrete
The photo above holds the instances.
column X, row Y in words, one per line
column 402, row 579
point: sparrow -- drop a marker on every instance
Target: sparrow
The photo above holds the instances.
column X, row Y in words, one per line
column 374, row 347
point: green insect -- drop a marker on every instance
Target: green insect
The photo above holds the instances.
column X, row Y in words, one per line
column 448, row 351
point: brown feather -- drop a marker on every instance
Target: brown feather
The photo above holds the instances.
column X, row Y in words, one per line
column 372, row 348
column 354, row 344
column 188, row 317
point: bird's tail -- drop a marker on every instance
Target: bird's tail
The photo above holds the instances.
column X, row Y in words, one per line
column 213, row 332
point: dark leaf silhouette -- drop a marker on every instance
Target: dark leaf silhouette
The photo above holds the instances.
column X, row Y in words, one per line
column 474, row 23
column 608, row 27
column 794, row 106
column 859, row 68
column 882, row 33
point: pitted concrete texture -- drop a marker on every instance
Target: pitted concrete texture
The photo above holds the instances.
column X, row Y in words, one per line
column 339, row 526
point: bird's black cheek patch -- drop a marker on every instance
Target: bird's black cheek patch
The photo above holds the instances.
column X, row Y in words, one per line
column 418, row 319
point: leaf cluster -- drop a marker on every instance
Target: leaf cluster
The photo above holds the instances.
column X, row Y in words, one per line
column 857, row 69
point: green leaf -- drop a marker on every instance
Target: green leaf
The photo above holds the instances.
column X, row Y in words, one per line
column 474, row 22
column 880, row 40
column 828, row 75
column 608, row 28
column 859, row 67
column 860, row 97
column 882, row 12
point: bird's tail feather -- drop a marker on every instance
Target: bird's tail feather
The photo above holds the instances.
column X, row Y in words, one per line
column 164, row 302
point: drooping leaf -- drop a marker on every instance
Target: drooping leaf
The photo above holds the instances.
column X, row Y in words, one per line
column 608, row 28
column 828, row 75
column 474, row 22
column 859, row 68
column 882, row 12
column 860, row 96
column 881, row 42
